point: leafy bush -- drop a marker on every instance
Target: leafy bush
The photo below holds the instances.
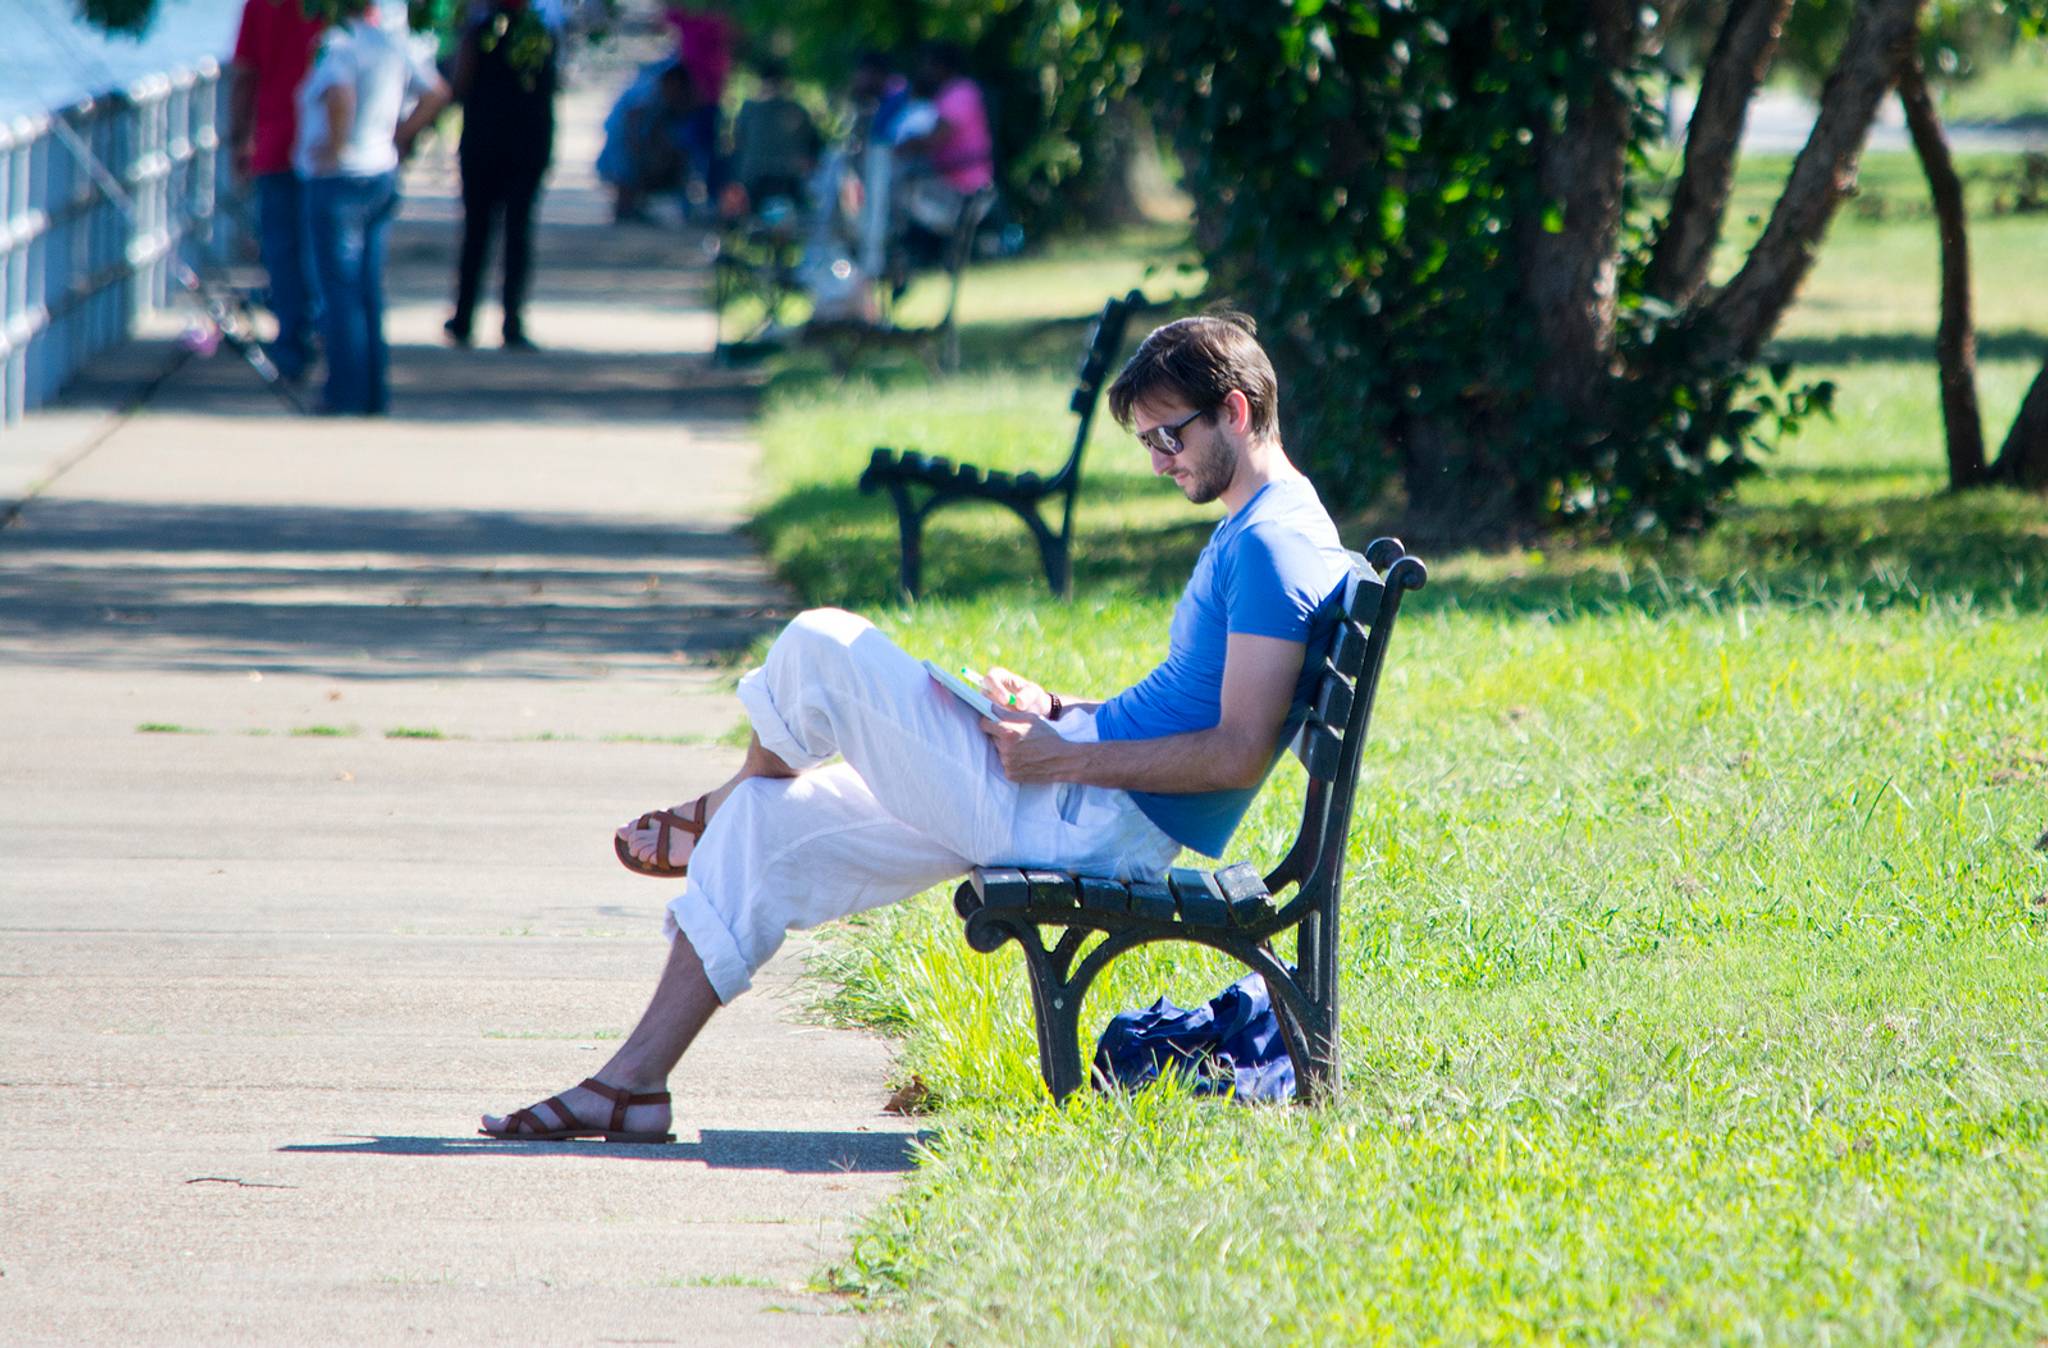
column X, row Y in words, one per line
column 1392, row 188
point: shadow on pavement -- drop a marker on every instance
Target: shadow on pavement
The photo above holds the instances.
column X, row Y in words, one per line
column 789, row 1151
column 322, row 590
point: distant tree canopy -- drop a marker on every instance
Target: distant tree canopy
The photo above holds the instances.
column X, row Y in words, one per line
column 1444, row 216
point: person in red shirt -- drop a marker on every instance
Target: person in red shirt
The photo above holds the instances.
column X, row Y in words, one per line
column 273, row 51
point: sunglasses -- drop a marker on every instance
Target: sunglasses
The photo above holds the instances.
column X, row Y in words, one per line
column 1165, row 440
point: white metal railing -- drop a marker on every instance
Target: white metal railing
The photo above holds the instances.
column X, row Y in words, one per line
column 82, row 255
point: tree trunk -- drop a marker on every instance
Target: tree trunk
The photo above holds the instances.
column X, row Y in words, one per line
column 1956, row 342
column 1570, row 274
column 1742, row 316
column 2023, row 462
column 1742, row 55
column 1101, row 196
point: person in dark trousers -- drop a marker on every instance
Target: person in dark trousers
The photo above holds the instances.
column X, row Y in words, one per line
column 505, row 80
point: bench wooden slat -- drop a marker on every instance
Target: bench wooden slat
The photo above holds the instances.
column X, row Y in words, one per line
column 1365, row 600
column 1053, row 889
column 1201, row 902
column 1152, row 900
column 1002, row 887
column 1347, row 657
column 1102, row 895
column 1320, row 750
column 1333, row 702
column 1244, row 890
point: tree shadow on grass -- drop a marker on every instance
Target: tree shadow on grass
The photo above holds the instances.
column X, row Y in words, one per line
column 1904, row 347
column 1983, row 549
column 1986, row 549
column 840, row 547
column 1048, row 346
column 790, row 1151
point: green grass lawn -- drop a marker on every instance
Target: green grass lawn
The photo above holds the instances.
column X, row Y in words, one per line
column 1693, row 968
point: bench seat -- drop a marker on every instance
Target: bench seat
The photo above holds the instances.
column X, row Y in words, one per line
column 1233, row 898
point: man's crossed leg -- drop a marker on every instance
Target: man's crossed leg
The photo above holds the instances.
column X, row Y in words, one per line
column 794, row 839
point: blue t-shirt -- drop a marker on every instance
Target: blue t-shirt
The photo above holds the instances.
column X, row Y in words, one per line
column 1272, row 569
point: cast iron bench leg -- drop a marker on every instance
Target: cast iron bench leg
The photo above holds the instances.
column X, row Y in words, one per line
column 910, row 535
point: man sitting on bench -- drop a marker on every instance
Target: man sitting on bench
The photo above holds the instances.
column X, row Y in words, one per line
column 928, row 789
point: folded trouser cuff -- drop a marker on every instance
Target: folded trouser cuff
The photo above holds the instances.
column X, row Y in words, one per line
column 768, row 725
column 691, row 916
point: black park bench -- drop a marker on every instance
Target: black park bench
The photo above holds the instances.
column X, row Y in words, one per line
column 1235, row 910
column 919, row 483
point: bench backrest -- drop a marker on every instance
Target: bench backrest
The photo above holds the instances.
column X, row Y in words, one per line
column 1332, row 738
column 1105, row 340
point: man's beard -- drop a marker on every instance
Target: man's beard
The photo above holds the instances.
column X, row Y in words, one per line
column 1210, row 475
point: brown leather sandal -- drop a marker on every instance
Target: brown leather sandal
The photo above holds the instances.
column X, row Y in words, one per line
column 667, row 820
column 524, row 1125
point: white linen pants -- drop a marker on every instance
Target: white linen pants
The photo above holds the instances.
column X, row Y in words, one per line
column 920, row 798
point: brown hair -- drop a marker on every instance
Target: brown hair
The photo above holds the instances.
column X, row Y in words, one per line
column 1198, row 361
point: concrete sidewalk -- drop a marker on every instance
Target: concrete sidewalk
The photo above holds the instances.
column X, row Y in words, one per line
column 312, row 734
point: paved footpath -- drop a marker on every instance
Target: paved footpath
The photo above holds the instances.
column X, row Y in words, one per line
column 312, row 735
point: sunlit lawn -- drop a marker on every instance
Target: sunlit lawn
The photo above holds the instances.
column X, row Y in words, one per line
column 1693, row 972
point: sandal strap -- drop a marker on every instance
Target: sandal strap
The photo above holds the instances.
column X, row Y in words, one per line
column 666, row 821
column 693, row 824
column 525, row 1123
column 621, row 1100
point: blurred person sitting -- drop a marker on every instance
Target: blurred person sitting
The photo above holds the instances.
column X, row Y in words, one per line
column 941, row 167
column 775, row 143
column 644, row 146
column 353, row 131
column 885, row 112
column 505, row 78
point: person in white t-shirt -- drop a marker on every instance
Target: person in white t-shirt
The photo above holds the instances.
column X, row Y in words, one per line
column 354, row 127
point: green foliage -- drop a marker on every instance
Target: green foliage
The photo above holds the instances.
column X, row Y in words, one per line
column 1369, row 179
column 1958, row 38
column 132, row 17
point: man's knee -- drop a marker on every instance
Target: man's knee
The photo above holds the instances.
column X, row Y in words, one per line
column 824, row 631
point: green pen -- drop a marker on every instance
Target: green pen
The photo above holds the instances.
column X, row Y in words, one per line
column 973, row 677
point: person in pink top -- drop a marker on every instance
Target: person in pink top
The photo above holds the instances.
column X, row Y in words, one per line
column 960, row 147
column 273, row 51
column 956, row 158
column 705, row 39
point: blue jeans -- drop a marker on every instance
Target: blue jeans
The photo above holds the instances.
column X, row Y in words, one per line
column 287, row 250
column 350, row 217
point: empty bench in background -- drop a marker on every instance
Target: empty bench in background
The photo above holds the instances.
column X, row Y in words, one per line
column 1235, row 910
column 918, row 483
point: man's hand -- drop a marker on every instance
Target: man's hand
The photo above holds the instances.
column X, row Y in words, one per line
column 1006, row 689
column 1031, row 750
